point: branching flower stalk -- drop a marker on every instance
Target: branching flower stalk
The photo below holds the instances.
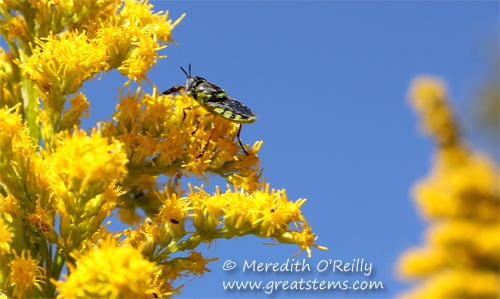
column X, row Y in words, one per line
column 59, row 184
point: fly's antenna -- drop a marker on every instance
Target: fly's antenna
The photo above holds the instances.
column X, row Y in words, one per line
column 188, row 76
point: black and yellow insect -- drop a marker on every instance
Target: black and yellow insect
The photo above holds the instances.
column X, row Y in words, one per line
column 215, row 100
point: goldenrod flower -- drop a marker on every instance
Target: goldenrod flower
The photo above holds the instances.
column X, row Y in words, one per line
column 267, row 213
column 173, row 213
column 140, row 14
column 262, row 213
column 458, row 284
column 461, row 198
column 145, row 236
column 250, row 179
column 10, row 87
column 207, row 210
column 95, row 212
column 17, row 28
column 41, row 180
column 193, row 264
column 88, row 164
column 54, row 15
column 6, row 234
column 17, row 151
column 25, row 274
column 303, row 238
column 108, row 271
column 9, row 207
column 418, row 262
column 141, row 59
column 448, row 191
column 41, row 220
column 167, row 274
column 429, row 98
column 60, row 65
column 11, row 123
column 79, row 107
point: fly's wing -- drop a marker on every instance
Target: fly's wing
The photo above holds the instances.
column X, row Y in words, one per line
column 232, row 110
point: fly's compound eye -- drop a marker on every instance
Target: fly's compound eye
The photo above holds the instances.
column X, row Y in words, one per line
column 189, row 84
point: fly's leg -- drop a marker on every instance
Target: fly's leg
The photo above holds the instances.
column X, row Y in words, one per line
column 239, row 131
column 197, row 118
column 188, row 108
column 208, row 142
column 211, row 134
column 173, row 90
column 184, row 117
column 184, row 112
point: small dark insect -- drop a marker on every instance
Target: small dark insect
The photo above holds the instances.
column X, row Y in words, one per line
column 215, row 100
column 174, row 221
column 138, row 195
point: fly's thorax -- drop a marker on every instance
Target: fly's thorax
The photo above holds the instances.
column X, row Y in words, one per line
column 207, row 92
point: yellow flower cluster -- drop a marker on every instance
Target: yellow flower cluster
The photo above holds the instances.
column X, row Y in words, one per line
column 25, row 274
column 59, row 183
column 101, row 39
column 160, row 137
column 235, row 213
column 461, row 199
column 5, row 236
column 100, row 162
column 10, row 85
column 111, row 270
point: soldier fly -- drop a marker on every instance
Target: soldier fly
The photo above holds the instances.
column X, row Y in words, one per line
column 215, row 100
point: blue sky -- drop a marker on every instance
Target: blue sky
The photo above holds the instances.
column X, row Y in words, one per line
column 329, row 81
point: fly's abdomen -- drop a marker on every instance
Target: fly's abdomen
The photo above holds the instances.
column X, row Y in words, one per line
column 233, row 116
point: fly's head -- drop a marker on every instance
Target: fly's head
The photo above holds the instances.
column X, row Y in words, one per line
column 192, row 82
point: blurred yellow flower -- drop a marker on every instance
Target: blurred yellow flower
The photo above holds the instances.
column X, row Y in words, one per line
column 461, row 200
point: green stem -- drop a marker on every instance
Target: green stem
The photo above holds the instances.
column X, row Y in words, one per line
column 191, row 243
column 30, row 104
column 57, row 266
column 47, row 250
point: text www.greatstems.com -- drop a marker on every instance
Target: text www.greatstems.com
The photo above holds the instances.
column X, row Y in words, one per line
column 302, row 285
